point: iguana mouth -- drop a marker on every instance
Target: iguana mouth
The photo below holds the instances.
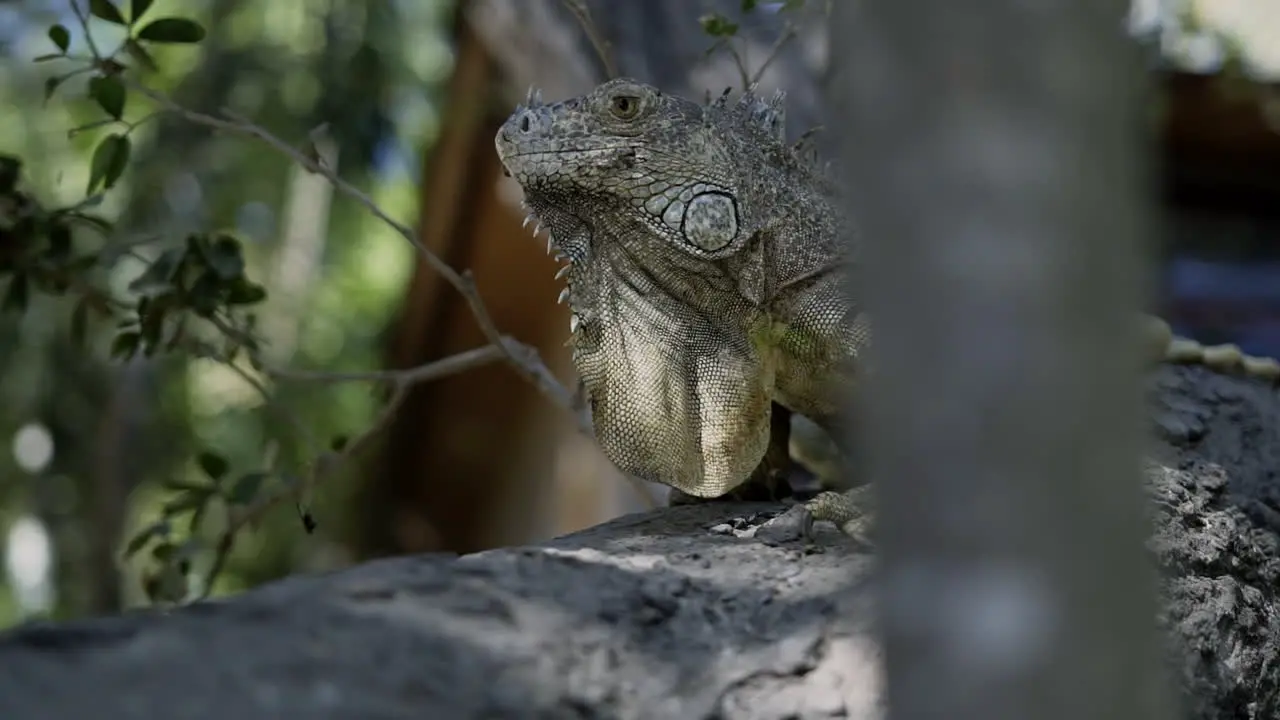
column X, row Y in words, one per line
column 586, row 150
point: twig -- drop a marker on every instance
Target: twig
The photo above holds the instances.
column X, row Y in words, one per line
column 328, row 463
column 603, row 50
column 434, row 370
column 523, row 358
column 740, row 62
column 83, row 19
column 788, row 32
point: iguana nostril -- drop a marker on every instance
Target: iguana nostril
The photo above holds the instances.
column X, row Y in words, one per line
column 524, row 123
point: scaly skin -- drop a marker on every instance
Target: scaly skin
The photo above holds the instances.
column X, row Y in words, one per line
column 704, row 275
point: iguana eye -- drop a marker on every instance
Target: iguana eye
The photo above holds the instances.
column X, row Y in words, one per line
column 624, row 107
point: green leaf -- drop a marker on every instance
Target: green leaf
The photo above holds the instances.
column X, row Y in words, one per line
column 106, row 10
column 205, row 295
column 748, row 5
column 140, row 54
column 136, row 543
column 213, row 465
column 246, row 488
column 18, row 295
column 175, row 484
column 185, row 501
column 159, row 275
column 138, row 8
column 172, row 30
column 51, row 85
column 151, row 327
column 339, row 443
column 193, row 526
column 10, row 171
column 109, row 91
column 59, row 241
column 125, row 346
column 144, row 536
column 60, row 37
column 163, row 551
column 224, row 257
column 717, row 25
column 245, row 292
column 92, row 221
column 109, row 161
column 80, row 322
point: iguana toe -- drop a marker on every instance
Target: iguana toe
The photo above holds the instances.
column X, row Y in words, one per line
column 850, row 511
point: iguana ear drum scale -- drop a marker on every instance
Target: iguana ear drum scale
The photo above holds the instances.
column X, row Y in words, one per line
column 705, row 261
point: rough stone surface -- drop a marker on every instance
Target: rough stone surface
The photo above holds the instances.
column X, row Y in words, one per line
column 676, row 613
column 1217, row 530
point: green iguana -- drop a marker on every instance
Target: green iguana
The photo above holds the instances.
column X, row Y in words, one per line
column 705, row 260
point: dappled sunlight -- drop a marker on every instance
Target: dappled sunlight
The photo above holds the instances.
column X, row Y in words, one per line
column 28, row 561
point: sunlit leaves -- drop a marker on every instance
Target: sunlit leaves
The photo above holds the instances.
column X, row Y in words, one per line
column 172, row 30
column 109, row 93
column 109, row 161
column 202, row 276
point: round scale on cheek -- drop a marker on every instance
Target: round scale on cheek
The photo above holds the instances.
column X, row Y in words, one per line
column 710, row 221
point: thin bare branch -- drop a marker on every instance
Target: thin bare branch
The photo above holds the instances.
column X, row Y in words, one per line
column 83, row 19
column 603, row 49
column 523, row 358
column 788, row 32
column 740, row 61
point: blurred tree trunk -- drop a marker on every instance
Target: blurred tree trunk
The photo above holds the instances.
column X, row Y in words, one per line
column 999, row 159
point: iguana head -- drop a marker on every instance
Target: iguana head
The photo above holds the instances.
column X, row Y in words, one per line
column 626, row 149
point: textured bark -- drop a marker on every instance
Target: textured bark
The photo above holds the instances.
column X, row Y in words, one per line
column 656, row 616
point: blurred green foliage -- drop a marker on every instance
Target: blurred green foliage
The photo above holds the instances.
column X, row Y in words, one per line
column 140, row 254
